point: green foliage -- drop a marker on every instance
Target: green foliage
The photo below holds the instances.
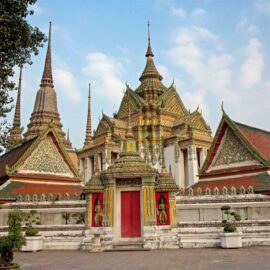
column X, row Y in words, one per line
column 31, row 220
column 14, row 240
column 229, row 224
column 225, row 208
column 229, row 227
column 30, row 231
column 19, row 40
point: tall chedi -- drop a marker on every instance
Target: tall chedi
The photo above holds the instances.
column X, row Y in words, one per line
column 45, row 110
column 88, row 132
column 15, row 136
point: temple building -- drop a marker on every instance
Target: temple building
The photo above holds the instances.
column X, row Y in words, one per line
column 239, row 160
column 160, row 124
column 130, row 196
column 42, row 163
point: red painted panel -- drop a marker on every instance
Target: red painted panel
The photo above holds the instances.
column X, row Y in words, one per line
column 136, row 214
column 97, row 209
column 126, row 230
column 130, row 214
column 163, row 208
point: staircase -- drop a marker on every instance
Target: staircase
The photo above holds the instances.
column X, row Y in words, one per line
column 127, row 246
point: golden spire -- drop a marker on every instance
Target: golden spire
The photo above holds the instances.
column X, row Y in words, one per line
column 149, row 51
column 15, row 132
column 150, row 70
column 17, row 115
column 45, row 110
column 47, row 79
column 88, row 133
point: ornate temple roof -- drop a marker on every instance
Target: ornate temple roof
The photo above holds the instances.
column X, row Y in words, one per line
column 19, row 188
column 11, row 157
column 45, row 109
column 11, row 161
column 38, row 166
column 255, row 141
column 193, row 119
column 258, row 138
column 165, row 181
column 150, row 78
column 130, row 164
column 239, row 156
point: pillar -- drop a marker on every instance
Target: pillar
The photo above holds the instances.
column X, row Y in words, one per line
column 172, row 203
column 192, row 165
column 108, row 206
column 88, row 217
column 149, row 207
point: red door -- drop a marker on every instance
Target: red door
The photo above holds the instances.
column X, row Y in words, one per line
column 130, row 214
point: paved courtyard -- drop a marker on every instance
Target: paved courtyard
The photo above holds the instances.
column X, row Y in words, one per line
column 251, row 258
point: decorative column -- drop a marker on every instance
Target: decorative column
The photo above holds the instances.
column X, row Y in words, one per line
column 192, row 165
column 108, row 205
column 149, row 207
column 172, row 203
column 88, row 217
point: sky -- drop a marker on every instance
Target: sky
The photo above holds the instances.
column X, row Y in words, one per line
column 215, row 51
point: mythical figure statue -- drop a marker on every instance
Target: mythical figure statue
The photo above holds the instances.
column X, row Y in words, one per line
column 98, row 212
column 162, row 210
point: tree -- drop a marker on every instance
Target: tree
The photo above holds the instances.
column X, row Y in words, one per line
column 14, row 240
column 18, row 41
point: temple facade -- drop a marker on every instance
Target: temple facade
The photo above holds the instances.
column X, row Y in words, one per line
column 41, row 163
column 238, row 160
column 160, row 124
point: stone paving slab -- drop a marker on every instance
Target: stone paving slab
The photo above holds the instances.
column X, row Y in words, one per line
column 250, row 258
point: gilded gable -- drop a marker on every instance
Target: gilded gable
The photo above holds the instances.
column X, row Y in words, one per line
column 171, row 102
column 198, row 122
column 102, row 128
column 231, row 151
column 123, row 110
column 46, row 158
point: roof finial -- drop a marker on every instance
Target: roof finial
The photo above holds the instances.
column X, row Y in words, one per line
column 129, row 128
column 222, row 107
column 148, row 24
column 68, row 134
column 47, row 79
column 88, row 133
column 149, row 51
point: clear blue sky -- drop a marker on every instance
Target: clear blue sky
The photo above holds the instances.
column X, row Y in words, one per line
column 214, row 50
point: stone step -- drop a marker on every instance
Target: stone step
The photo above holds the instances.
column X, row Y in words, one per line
column 128, row 246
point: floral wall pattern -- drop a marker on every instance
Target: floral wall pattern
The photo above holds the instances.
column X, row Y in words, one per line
column 46, row 158
column 232, row 151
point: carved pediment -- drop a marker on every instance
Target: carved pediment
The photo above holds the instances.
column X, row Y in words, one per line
column 102, row 128
column 135, row 102
column 46, row 158
column 231, row 151
column 197, row 121
column 171, row 102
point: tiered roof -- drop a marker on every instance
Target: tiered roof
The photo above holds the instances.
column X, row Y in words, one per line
column 252, row 171
column 27, row 169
